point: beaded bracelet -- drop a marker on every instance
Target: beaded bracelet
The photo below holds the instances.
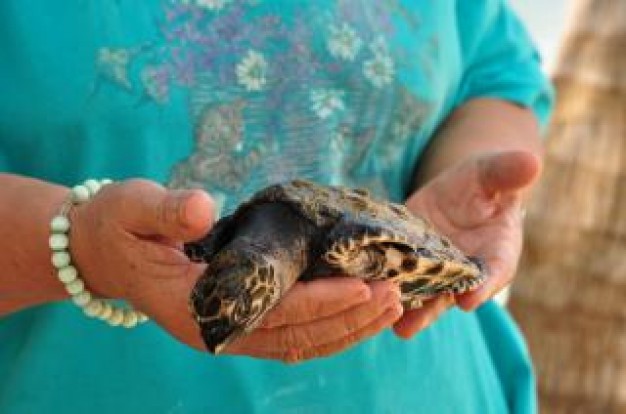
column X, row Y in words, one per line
column 62, row 261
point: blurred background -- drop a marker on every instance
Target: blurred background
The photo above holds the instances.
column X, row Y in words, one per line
column 546, row 21
column 570, row 294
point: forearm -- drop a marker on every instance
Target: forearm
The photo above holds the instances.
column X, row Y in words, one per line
column 26, row 273
column 479, row 126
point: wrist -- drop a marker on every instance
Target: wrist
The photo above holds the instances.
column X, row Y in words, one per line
column 28, row 275
column 476, row 128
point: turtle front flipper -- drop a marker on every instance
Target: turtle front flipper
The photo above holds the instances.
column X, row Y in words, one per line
column 423, row 266
column 267, row 249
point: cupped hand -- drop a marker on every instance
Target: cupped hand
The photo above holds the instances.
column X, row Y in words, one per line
column 127, row 243
column 322, row 317
column 478, row 205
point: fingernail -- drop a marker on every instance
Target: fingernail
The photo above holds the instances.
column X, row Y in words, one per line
column 197, row 208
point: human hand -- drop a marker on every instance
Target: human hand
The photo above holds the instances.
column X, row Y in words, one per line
column 322, row 317
column 477, row 204
column 127, row 244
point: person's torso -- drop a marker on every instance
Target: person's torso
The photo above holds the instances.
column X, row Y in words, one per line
column 230, row 95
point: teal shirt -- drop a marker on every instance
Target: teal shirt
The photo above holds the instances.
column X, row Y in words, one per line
column 229, row 96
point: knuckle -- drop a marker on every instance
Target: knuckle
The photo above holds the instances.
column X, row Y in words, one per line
column 353, row 321
column 165, row 212
column 293, row 356
column 289, row 338
column 350, row 339
column 138, row 184
column 337, row 346
column 311, row 353
column 136, row 188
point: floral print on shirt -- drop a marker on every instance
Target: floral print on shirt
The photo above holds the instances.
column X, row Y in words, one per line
column 279, row 90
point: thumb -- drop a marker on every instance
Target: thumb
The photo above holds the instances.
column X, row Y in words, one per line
column 508, row 171
column 149, row 209
column 184, row 215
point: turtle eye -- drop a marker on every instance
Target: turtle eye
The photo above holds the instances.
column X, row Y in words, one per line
column 391, row 273
column 423, row 252
column 408, row 264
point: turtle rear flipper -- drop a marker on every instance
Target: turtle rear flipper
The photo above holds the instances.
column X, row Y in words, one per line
column 363, row 247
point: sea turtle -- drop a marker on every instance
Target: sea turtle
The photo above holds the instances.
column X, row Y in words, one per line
column 300, row 230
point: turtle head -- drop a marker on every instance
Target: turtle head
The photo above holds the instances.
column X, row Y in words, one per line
column 253, row 258
column 231, row 298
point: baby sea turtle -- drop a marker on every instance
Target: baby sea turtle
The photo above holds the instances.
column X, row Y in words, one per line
column 300, row 231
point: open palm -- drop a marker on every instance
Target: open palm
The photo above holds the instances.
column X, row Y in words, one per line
column 477, row 204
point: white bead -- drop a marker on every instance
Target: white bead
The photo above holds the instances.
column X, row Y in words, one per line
column 58, row 241
column 106, row 311
column 60, row 224
column 142, row 317
column 75, row 287
column 93, row 186
column 116, row 317
column 80, row 194
column 82, row 298
column 130, row 319
column 67, row 274
column 93, row 308
column 60, row 259
column 105, row 181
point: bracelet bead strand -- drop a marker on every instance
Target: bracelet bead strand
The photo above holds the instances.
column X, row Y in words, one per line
column 67, row 274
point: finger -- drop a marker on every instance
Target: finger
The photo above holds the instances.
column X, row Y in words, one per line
column 419, row 319
column 383, row 321
column 325, row 330
column 508, row 171
column 148, row 209
column 308, row 301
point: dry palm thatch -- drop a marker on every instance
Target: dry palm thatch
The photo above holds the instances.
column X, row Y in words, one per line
column 570, row 295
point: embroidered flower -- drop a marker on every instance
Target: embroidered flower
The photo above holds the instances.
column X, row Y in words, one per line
column 325, row 102
column 213, row 5
column 379, row 46
column 113, row 63
column 155, row 81
column 343, row 42
column 252, row 71
column 379, row 70
column 401, row 129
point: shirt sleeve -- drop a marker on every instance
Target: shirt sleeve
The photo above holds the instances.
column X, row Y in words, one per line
column 499, row 59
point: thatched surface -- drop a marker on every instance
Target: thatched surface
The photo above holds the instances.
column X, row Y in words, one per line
column 570, row 294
